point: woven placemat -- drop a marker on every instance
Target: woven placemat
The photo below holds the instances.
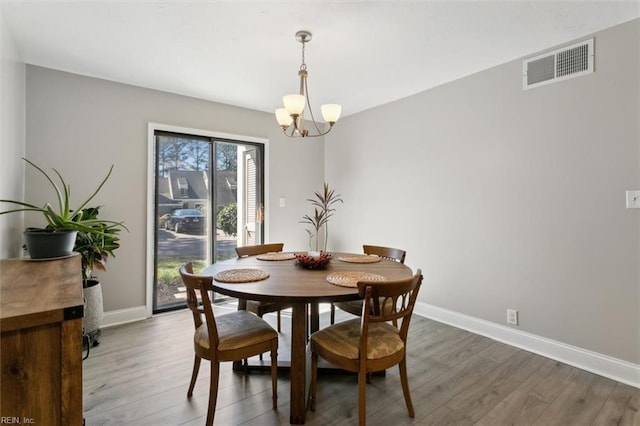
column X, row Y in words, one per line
column 241, row 275
column 351, row 278
column 276, row 256
column 360, row 258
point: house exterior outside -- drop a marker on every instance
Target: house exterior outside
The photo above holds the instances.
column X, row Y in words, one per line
column 189, row 189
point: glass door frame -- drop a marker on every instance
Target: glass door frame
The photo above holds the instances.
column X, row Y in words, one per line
column 151, row 190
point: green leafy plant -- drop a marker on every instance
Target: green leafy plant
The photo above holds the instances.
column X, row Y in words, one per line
column 96, row 238
column 98, row 243
column 323, row 205
column 227, row 219
column 66, row 217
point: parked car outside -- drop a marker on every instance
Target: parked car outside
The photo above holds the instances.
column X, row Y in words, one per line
column 186, row 220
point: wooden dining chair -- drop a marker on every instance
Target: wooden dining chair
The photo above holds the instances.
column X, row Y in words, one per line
column 257, row 307
column 369, row 344
column 354, row 307
column 230, row 337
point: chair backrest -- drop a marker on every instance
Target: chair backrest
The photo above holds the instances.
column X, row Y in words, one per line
column 389, row 301
column 198, row 285
column 259, row 249
column 387, row 252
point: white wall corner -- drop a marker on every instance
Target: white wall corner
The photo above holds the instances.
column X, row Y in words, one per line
column 604, row 365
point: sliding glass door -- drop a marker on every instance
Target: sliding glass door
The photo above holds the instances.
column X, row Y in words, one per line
column 208, row 200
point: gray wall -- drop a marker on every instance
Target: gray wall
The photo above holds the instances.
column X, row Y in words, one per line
column 12, row 143
column 509, row 198
column 505, row 198
column 82, row 125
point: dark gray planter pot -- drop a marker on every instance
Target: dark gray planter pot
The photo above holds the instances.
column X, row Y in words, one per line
column 43, row 244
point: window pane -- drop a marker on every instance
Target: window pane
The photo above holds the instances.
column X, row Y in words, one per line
column 182, row 182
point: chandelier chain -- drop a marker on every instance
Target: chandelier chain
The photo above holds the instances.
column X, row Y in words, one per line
column 303, row 66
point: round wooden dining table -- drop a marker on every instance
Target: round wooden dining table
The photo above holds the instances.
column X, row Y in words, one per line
column 304, row 289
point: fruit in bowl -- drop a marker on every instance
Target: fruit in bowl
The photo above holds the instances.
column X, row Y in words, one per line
column 313, row 262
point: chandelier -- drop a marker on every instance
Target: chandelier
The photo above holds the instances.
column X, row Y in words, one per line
column 291, row 117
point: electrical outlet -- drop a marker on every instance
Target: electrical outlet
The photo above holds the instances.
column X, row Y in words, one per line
column 512, row 317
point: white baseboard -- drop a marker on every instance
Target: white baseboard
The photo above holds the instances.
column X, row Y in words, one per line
column 123, row 316
column 603, row 365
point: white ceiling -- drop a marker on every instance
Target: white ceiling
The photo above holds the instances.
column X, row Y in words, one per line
column 363, row 53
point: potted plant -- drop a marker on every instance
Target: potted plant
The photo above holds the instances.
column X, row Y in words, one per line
column 57, row 238
column 95, row 244
column 323, row 204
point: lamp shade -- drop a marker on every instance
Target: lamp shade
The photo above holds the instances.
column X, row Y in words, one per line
column 331, row 112
column 294, row 104
column 283, row 117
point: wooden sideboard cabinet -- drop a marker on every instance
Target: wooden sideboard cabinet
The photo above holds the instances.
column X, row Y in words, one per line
column 41, row 307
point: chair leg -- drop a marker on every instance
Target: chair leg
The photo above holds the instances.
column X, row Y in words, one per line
column 194, row 375
column 307, row 318
column 213, row 392
column 260, row 315
column 333, row 314
column 405, row 385
column 362, row 397
column 279, row 323
column 314, row 380
column 274, row 373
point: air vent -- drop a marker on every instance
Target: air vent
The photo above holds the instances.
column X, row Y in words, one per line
column 561, row 64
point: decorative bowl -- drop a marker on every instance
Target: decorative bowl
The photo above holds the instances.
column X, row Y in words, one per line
column 313, row 262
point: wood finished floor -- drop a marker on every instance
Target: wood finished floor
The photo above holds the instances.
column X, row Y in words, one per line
column 140, row 373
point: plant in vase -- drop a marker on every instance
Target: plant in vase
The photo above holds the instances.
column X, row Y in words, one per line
column 79, row 227
column 62, row 224
column 95, row 244
column 323, row 209
column 310, row 234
